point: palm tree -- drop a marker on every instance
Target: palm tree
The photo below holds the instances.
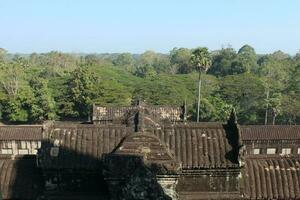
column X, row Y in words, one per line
column 202, row 60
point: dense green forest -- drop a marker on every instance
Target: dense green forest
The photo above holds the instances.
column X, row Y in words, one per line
column 62, row 86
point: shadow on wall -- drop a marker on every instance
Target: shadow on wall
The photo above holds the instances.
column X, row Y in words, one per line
column 20, row 178
column 60, row 173
column 55, row 174
column 129, row 177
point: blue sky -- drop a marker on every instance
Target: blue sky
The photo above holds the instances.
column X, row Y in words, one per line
column 138, row 25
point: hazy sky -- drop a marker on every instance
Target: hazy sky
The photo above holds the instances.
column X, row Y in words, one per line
column 138, row 25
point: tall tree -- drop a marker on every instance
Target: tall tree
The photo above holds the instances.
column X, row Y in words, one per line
column 145, row 64
column 202, row 60
column 291, row 98
column 16, row 108
column 10, row 78
column 247, row 58
column 43, row 106
column 246, row 93
column 274, row 72
column 275, row 104
column 124, row 59
column 180, row 60
column 82, row 88
column 225, row 63
column 3, row 53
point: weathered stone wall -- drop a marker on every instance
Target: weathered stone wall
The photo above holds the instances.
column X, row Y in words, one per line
column 210, row 182
column 263, row 145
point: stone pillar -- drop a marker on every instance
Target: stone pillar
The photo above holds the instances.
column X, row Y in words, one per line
column 14, row 147
column 168, row 184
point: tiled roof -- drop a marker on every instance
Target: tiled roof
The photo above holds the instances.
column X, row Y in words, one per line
column 270, row 132
column 21, row 132
column 196, row 146
column 80, row 146
column 116, row 113
column 109, row 113
column 19, row 179
column 272, row 177
column 142, row 144
column 137, row 150
column 203, row 145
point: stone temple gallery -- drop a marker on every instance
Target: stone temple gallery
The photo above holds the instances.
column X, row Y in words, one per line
column 149, row 152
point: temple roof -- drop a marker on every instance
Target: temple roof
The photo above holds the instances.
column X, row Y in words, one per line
column 272, row 177
column 202, row 145
column 33, row 132
column 104, row 115
column 270, row 132
column 19, row 178
column 157, row 136
column 80, row 146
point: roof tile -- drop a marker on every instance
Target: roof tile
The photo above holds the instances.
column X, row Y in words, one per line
column 21, row 133
column 270, row 132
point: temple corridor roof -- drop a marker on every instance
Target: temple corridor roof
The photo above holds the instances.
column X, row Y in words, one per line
column 30, row 132
column 270, row 132
column 19, row 178
column 272, row 177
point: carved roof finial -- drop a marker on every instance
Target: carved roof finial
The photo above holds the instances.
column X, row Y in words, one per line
column 232, row 117
column 234, row 137
column 140, row 120
column 183, row 111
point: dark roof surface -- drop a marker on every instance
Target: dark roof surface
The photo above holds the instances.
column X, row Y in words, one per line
column 19, row 179
column 196, row 146
column 272, row 177
column 203, row 145
column 21, row 132
column 80, row 146
column 270, row 132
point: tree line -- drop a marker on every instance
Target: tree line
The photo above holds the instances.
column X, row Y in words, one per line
column 263, row 89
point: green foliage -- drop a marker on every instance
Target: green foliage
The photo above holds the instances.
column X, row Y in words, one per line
column 14, row 111
column 42, row 106
column 246, row 93
column 151, row 64
column 180, row 60
column 164, row 90
column 228, row 62
column 201, row 59
column 145, row 71
column 11, row 78
column 3, row 53
column 97, row 60
column 246, row 59
column 82, row 90
column 275, row 72
column 291, row 98
column 124, row 59
column 294, row 80
column 225, row 63
column 112, row 93
column 212, row 108
column 275, row 104
column 57, row 85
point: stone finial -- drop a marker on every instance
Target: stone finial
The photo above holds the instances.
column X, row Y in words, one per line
column 232, row 117
column 140, row 120
column 183, row 115
column 234, row 137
